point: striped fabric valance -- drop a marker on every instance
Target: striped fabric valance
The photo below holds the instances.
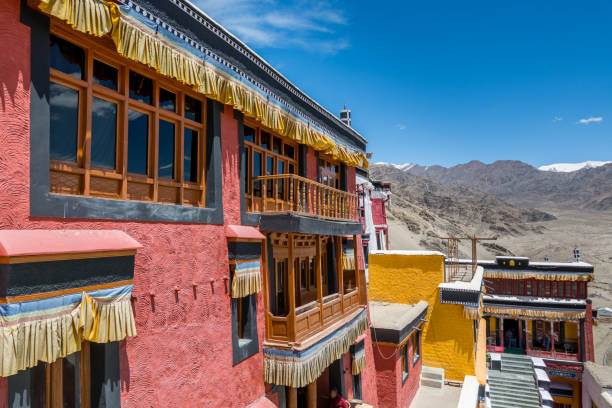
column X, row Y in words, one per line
column 359, row 362
column 142, row 40
column 247, row 278
column 498, row 311
column 472, row 313
column 48, row 328
column 294, row 368
column 528, row 274
column 348, row 259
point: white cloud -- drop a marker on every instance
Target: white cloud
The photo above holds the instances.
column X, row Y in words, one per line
column 401, row 126
column 592, row 119
column 557, row 119
column 310, row 25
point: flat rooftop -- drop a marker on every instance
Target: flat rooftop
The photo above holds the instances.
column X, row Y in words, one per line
column 427, row 397
column 394, row 316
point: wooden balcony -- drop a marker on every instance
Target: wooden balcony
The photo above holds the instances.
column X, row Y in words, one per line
column 289, row 193
column 305, row 323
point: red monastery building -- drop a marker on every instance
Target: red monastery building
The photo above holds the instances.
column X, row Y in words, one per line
column 178, row 221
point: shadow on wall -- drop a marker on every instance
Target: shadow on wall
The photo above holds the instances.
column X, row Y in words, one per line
column 448, row 341
column 15, row 61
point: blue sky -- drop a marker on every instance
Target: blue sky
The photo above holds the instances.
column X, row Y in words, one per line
column 445, row 82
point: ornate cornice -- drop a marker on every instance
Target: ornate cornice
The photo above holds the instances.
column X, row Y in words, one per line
column 211, row 25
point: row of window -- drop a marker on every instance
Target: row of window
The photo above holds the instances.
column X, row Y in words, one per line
column 117, row 132
column 533, row 287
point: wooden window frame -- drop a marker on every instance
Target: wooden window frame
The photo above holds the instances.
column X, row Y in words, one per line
column 254, row 203
column 324, row 171
column 118, row 183
column 54, row 376
column 405, row 357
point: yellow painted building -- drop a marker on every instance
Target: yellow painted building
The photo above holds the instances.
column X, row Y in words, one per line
column 448, row 338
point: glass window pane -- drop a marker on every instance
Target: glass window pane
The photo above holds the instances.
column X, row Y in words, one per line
column 270, row 170
column 277, row 145
column 166, row 149
column 289, row 151
column 265, row 140
column 105, row 75
column 190, row 162
column 141, row 88
column 138, row 142
column 303, row 274
column 103, row 133
column 167, row 100
column 64, row 126
column 71, row 380
column 193, row 109
column 66, row 57
column 257, row 173
column 27, row 388
column 249, row 134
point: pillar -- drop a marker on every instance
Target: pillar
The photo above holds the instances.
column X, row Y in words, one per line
column 291, row 397
column 311, row 395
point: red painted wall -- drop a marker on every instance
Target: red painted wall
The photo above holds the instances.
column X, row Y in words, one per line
column 311, row 164
column 391, row 392
column 351, row 180
column 183, row 348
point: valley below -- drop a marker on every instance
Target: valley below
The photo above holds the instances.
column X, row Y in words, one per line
column 423, row 209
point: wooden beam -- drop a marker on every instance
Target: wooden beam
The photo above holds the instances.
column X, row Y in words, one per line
column 291, row 397
column 311, row 395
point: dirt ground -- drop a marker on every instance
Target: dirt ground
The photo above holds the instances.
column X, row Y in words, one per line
column 591, row 232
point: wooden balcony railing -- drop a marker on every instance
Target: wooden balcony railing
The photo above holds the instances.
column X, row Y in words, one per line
column 289, row 193
column 304, row 322
column 311, row 318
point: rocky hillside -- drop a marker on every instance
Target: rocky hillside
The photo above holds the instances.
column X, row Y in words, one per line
column 425, row 209
column 526, row 186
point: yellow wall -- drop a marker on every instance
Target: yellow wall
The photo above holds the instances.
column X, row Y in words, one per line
column 448, row 338
column 571, row 330
column 492, row 325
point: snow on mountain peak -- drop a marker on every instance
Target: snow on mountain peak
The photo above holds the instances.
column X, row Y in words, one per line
column 403, row 167
column 570, row 167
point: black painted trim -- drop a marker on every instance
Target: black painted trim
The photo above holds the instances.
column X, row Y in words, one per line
column 460, row 296
column 40, row 277
column 45, row 204
column 307, row 225
column 241, row 250
column 243, row 351
column 397, row 336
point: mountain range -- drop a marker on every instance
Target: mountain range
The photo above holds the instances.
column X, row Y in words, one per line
column 556, row 186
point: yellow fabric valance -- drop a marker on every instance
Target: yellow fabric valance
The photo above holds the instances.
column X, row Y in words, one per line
column 86, row 16
column 141, row 44
column 294, row 368
column 247, row 279
column 535, row 313
column 60, row 333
